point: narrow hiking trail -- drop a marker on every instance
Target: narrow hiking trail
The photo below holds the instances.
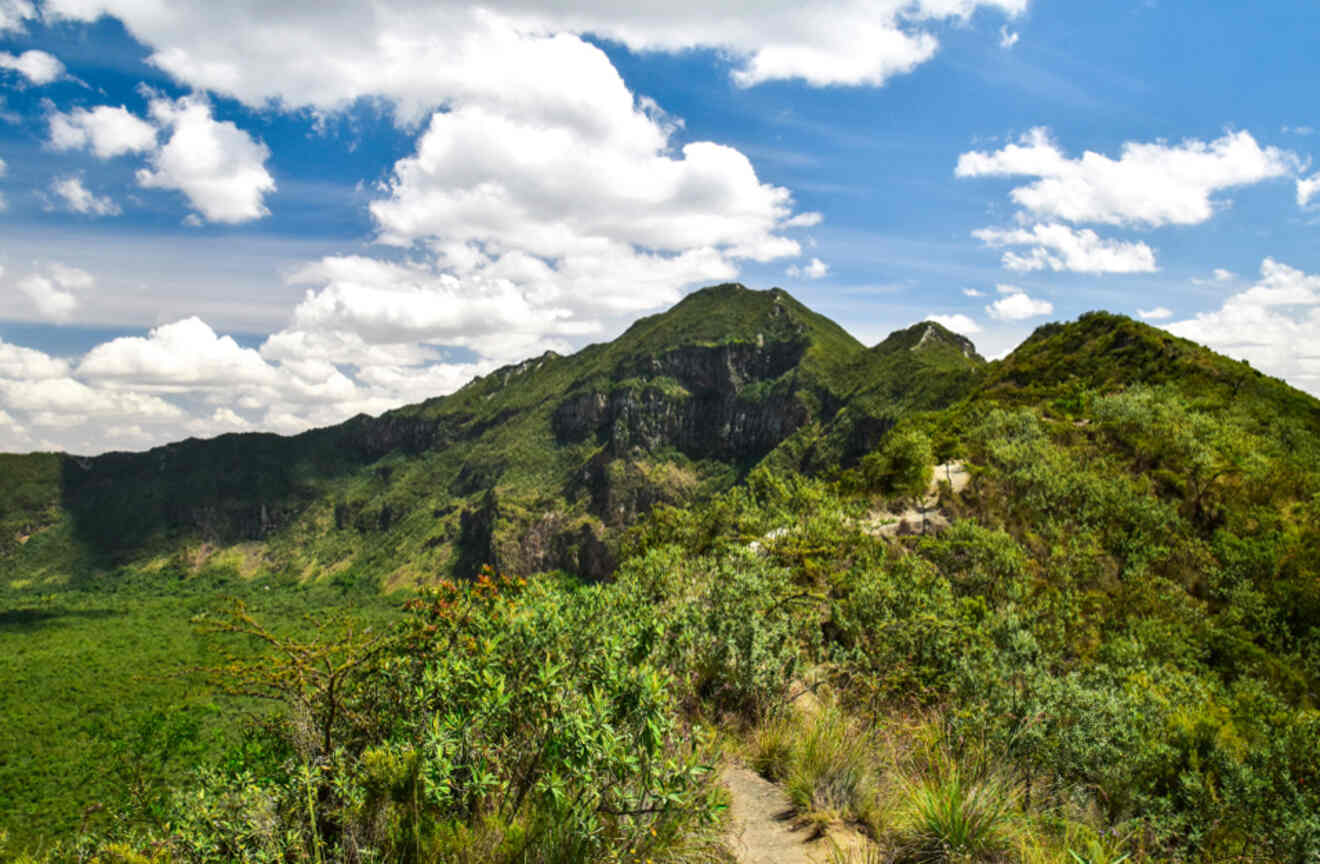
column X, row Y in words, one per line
column 762, row 825
column 763, row 828
column 927, row 518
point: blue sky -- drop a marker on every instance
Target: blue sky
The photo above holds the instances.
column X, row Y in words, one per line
column 241, row 216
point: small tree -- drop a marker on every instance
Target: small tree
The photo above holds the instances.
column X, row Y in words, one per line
column 902, row 467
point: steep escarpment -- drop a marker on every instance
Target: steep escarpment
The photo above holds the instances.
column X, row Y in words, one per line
column 535, row 466
column 733, row 402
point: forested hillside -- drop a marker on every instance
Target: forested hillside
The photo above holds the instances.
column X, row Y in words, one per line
column 615, row 574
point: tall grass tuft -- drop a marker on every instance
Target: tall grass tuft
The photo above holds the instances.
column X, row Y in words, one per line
column 955, row 815
column 832, row 772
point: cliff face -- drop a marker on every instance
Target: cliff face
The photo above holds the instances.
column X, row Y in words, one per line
column 720, row 402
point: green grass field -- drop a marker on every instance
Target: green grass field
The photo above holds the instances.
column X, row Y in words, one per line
column 103, row 687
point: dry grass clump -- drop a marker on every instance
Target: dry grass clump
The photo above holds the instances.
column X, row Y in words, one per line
column 922, row 800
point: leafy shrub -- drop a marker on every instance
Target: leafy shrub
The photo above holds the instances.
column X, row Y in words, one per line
column 902, row 467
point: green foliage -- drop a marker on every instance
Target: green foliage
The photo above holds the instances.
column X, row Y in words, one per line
column 1119, row 634
column 953, row 817
column 829, row 768
column 902, row 467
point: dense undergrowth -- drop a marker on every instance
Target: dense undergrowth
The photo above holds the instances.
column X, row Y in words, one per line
column 1113, row 654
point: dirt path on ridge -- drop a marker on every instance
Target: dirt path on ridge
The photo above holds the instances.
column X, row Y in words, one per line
column 762, row 828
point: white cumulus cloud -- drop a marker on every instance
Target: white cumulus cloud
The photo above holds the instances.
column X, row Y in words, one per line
column 419, row 53
column 52, row 293
column 1008, row 38
column 107, row 131
column 815, row 269
column 80, row 199
column 38, row 67
column 26, row 364
column 13, row 14
column 958, row 323
column 217, row 166
column 1274, row 324
column 1307, row 187
column 1015, row 305
column 183, row 353
column 1149, row 185
column 1159, row 313
column 1060, row 247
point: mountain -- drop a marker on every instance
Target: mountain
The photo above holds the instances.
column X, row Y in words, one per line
column 535, row 466
column 1118, row 606
column 540, row 465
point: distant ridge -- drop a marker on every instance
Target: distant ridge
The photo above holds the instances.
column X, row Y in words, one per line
column 541, row 464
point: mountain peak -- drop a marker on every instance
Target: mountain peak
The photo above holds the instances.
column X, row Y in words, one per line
column 928, row 336
column 733, row 313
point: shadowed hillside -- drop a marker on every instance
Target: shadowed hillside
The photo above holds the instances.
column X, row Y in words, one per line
column 532, row 467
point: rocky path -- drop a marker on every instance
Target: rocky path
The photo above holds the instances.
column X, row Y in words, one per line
column 762, row 828
column 928, row 519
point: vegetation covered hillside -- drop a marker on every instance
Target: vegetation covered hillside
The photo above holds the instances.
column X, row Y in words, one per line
column 1109, row 652
column 533, row 467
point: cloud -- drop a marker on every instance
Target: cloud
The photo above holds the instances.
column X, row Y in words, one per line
column 1059, row 247
column 506, row 308
column 420, row 54
column 958, row 323
column 183, row 378
column 107, row 131
column 1008, row 38
column 1217, row 276
column 63, row 402
column 972, row 292
column 52, row 294
column 1015, row 305
column 27, row 364
column 479, row 176
column 38, row 67
column 536, row 230
column 1149, row 185
column 817, row 269
column 44, row 407
column 1159, row 313
column 1275, row 324
column 184, row 353
column 1307, row 187
column 804, row 220
column 217, row 166
column 13, row 14
column 80, row 199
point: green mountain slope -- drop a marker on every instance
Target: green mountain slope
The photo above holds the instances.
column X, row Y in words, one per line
column 1105, row 352
column 532, row 467
column 539, row 465
column 1114, row 626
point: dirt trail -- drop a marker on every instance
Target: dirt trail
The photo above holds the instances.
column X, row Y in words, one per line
column 761, row 829
column 928, row 519
column 762, row 825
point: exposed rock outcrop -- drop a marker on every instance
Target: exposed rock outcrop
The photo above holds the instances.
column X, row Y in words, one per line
column 733, row 402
